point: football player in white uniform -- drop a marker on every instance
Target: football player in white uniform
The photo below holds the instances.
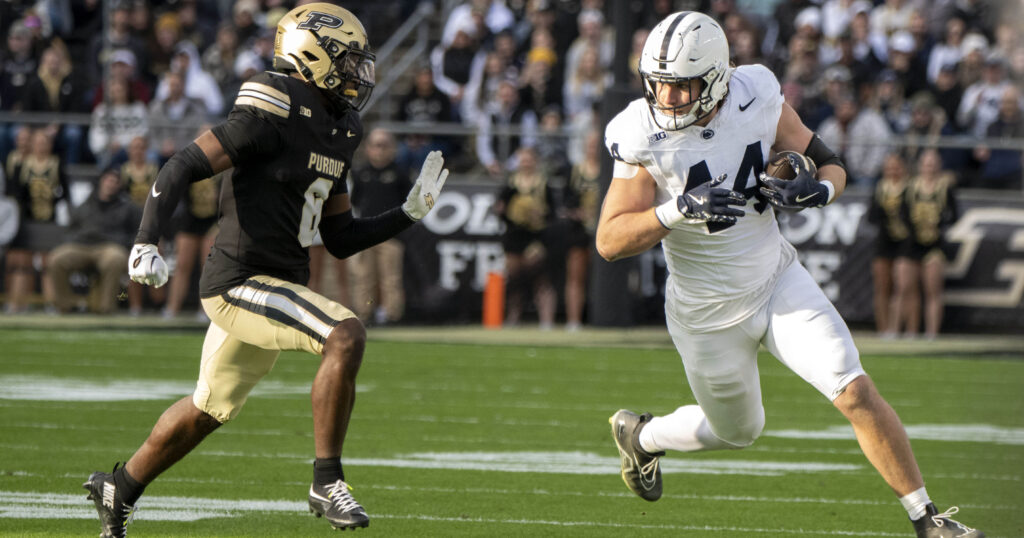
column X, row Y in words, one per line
column 689, row 173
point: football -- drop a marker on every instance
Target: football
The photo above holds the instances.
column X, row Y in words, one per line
column 781, row 167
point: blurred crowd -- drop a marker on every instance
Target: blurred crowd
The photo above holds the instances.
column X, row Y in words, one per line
column 873, row 77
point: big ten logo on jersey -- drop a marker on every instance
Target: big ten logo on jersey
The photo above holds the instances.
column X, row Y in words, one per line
column 325, row 165
column 467, row 215
column 821, row 238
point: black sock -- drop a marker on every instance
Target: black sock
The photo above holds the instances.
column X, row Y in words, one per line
column 327, row 470
column 128, row 488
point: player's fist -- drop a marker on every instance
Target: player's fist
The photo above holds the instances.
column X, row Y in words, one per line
column 799, row 192
column 709, row 202
column 427, row 188
column 145, row 266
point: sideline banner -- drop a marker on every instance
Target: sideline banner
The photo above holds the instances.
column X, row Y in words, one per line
column 449, row 255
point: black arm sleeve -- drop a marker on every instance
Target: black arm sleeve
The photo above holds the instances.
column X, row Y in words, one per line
column 344, row 236
column 187, row 166
column 821, row 154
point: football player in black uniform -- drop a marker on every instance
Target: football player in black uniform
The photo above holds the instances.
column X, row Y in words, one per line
column 290, row 138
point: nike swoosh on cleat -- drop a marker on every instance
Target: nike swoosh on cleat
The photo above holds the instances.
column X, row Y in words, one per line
column 744, row 107
column 802, row 199
column 154, row 192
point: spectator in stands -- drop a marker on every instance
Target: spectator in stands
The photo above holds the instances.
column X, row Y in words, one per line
column 17, row 68
column 493, row 18
column 452, row 62
column 116, row 123
column 122, row 66
column 552, row 143
column 905, row 62
column 971, row 67
column 40, row 189
column 139, row 172
column 949, row 51
column 927, row 123
column 930, row 209
column 1001, row 168
column 101, row 231
column 586, row 85
column 540, row 89
column 195, row 230
column 891, row 17
column 483, row 86
column 194, row 28
column 593, row 34
column 527, row 206
column 636, row 47
column 1016, row 65
column 375, row 274
column 836, row 16
column 855, row 133
column 497, row 151
column 54, row 89
column 246, row 14
column 890, row 102
column 118, row 36
column 887, row 214
column 198, row 84
column 219, row 58
column 424, row 105
column 12, row 166
column 167, row 35
column 173, row 119
column 581, row 203
column 980, row 104
column 948, row 93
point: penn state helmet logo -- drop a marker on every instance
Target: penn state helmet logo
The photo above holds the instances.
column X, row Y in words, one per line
column 318, row 19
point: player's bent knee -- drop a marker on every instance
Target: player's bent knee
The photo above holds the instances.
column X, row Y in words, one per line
column 859, row 393
column 346, row 341
column 741, row 434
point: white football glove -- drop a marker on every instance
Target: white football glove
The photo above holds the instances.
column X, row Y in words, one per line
column 427, row 187
column 145, row 265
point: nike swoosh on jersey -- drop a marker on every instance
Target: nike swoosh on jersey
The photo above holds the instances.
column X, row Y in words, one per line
column 154, row 192
column 802, row 199
column 744, row 107
column 350, row 134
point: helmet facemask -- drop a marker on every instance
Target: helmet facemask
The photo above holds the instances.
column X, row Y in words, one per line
column 352, row 76
column 674, row 118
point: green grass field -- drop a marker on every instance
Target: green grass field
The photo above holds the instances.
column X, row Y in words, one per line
column 493, row 439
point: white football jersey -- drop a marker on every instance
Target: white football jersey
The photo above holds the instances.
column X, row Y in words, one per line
column 719, row 274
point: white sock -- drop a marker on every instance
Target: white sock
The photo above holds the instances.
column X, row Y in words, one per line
column 915, row 503
column 686, row 429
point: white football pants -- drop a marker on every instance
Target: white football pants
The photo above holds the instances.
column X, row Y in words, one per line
column 798, row 325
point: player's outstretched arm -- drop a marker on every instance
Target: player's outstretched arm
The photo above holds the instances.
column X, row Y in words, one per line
column 199, row 160
column 344, row 235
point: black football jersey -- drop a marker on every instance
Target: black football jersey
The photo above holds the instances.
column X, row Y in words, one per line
column 290, row 154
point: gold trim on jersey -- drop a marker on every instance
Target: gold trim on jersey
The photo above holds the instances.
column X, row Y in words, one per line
column 262, row 105
column 269, row 90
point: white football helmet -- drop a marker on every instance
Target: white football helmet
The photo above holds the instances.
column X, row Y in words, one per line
column 685, row 45
column 327, row 46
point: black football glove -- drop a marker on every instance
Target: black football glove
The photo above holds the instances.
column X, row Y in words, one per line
column 801, row 192
column 709, row 202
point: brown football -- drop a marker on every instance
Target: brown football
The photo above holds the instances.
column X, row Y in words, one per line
column 780, row 166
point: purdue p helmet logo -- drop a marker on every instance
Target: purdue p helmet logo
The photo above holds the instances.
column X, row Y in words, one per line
column 318, row 19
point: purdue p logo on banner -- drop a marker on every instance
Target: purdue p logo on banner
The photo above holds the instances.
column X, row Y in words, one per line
column 318, row 19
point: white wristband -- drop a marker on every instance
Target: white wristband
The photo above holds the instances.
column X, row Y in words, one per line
column 831, row 190
column 668, row 213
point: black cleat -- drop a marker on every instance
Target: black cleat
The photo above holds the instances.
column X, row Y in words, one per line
column 640, row 469
column 334, row 502
column 936, row 525
column 114, row 514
